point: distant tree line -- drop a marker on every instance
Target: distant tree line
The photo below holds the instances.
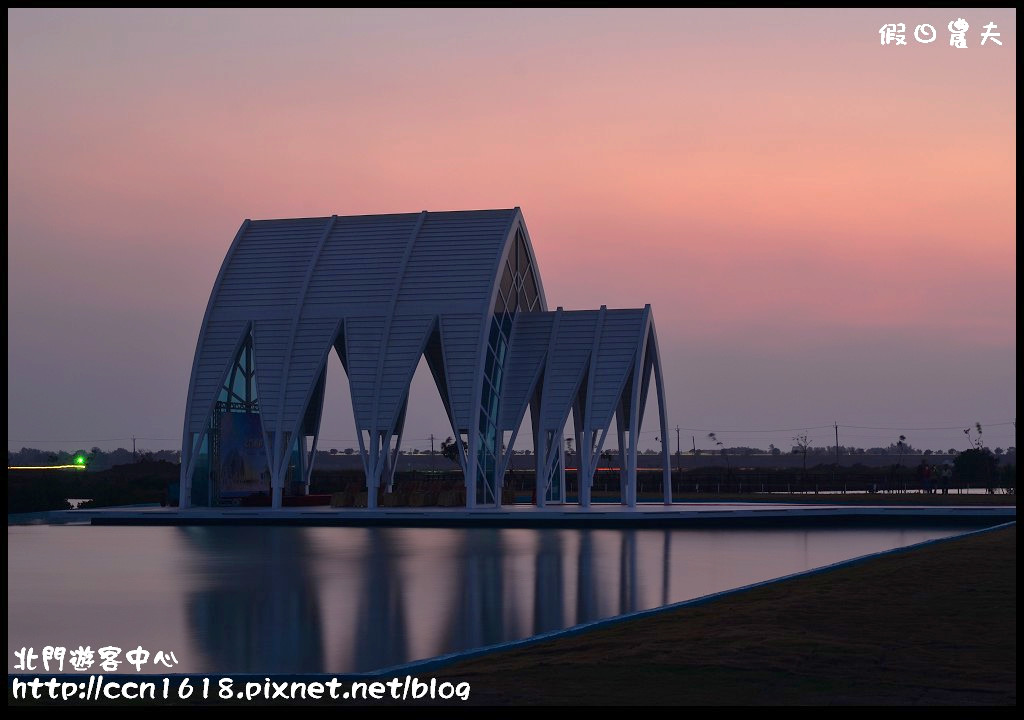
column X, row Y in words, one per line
column 94, row 459
column 97, row 459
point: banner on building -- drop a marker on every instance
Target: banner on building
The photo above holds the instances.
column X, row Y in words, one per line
column 243, row 461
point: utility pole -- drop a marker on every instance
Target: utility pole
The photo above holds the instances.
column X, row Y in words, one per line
column 836, row 422
column 693, row 439
column 431, row 451
column 679, row 455
column 134, row 456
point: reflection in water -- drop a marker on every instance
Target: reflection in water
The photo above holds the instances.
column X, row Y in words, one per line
column 627, row 573
column 547, row 596
column 299, row 600
column 478, row 608
column 260, row 607
column 586, row 580
column 381, row 635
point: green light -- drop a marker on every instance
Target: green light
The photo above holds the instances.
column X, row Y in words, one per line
column 79, row 460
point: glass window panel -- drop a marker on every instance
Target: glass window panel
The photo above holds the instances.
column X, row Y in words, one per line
column 492, row 407
column 531, row 290
column 495, row 331
column 485, row 395
column 481, row 486
column 523, row 258
column 506, row 280
column 239, row 388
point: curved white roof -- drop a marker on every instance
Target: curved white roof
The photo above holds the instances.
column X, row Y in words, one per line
column 384, row 290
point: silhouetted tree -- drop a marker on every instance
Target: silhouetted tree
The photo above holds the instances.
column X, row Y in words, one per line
column 801, row 446
column 450, row 449
column 714, row 439
column 976, row 466
column 976, row 444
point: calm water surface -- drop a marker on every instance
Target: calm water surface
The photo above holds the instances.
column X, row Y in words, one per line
column 281, row 599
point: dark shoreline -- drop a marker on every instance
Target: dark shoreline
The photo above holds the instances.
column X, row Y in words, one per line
column 902, row 629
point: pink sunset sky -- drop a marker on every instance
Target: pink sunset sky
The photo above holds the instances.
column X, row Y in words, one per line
column 824, row 226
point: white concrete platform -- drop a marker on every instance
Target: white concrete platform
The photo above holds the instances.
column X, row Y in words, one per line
column 644, row 515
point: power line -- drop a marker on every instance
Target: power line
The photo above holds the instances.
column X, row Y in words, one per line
column 948, row 427
column 136, row 437
column 797, row 429
column 79, row 441
column 842, row 425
